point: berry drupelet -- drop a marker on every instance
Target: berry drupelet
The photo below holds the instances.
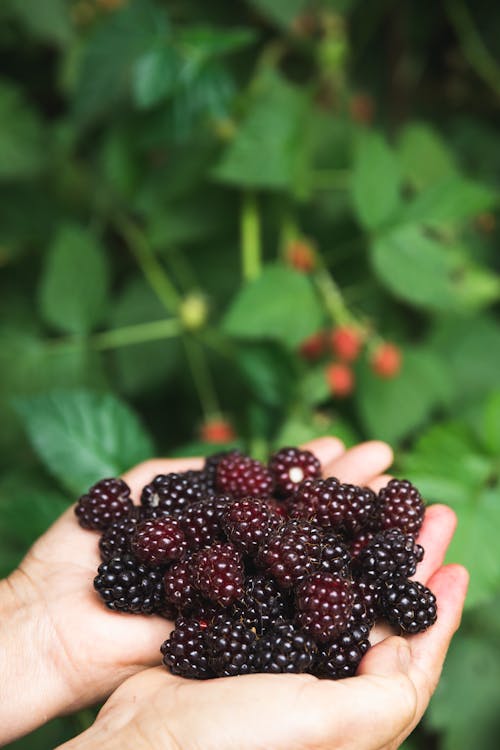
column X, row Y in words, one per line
column 126, row 585
column 390, row 553
column 105, row 502
column 218, row 573
column 242, row 476
column 285, row 648
column 185, row 652
column 401, row 507
column 408, row 605
column 324, row 606
column 289, row 467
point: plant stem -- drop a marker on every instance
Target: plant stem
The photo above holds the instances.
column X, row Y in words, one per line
column 148, row 262
column 475, row 50
column 251, row 246
column 135, row 334
column 202, row 377
column 332, row 297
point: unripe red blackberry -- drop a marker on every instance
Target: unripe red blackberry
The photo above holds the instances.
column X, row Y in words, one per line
column 201, row 522
column 340, row 379
column 342, row 657
column 314, row 346
column 157, row 541
column 230, row 647
column 401, row 507
column 343, row 508
column 185, row 651
column 346, row 343
column 105, row 502
column 242, row 476
column 115, row 540
column 324, row 606
column 391, row 553
column 297, row 549
column 262, row 604
column 248, row 523
column 170, row 494
column 218, row 573
column 126, row 585
column 408, row 605
column 285, row 648
column 387, row 360
column 289, row 467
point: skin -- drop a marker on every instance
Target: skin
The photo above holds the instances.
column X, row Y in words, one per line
column 63, row 650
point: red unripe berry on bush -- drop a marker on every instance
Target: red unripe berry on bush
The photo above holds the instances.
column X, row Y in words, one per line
column 362, row 108
column 314, row 346
column 340, row 379
column 300, row 255
column 217, row 431
column 346, row 343
column 386, row 361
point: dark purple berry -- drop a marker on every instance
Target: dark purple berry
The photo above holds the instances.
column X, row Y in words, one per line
column 179, row 587
column 248, row 523
column 157, row 541
column 105, row 502
column 289, row 467
column 185, row 651
column 115, row 540
column 202, row 522
column 324, row 606
column 285, row 648
column 230, row 647
column 126, row 585
column 170, row 494
column 262, row 604
column 401, row 507
column 408, row 605
column 391, row 553
column 342, row 657
column 242, row 476
column 218, row 573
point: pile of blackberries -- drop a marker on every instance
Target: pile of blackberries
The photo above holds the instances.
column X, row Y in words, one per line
column 264, row 568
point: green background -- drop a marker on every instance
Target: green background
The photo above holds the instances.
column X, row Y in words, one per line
column 157, row 161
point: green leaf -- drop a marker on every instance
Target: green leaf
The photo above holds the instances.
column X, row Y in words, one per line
column 491, row 425
column 202, row 43
column 419, row 269
column 270, row 372
column 82, row 436
column 47, row 19
column 314, row 387
column 423, row 156
column 462, row 709
column 74, row 284
column 299, row 429
column 391, row 409
column 22, row 148
column 281, row 304
column 282, row 12
column 268, row 148
column 155, row 76
column 375, row 181
column 451, row 200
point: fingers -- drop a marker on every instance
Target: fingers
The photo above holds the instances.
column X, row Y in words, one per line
column 143, row 473
column 435, row 536
column 326, row 449
column 378, row 482
column 361, row 464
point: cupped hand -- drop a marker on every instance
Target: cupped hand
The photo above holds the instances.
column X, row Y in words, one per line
column 375, row 710
column 84, row 651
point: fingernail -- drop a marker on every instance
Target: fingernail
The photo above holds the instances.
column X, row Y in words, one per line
column 404, row 656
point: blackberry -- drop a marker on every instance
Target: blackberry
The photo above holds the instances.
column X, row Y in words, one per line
column 360, row 541
column 157, row 541
column 408, row 605
column 324, row 606
column 126, row 585
column 170, row 494
column 185, row 651
column 342, row 657
column 218, row 573
column 285, row 648
column 289, row 467
column 261, row 605
column 105, row 502
column 179, row 588
column 212, row 462
column 202, row 522
column 297, row 549
column 391, row 553
column 366, row 602
column 199, row 478
column 230, row 647
column 116, row 539
column 242, row 476
column 401, row 507
column 248, row 523
column 343, row 508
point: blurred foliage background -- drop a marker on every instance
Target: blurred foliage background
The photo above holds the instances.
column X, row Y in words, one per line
column 194, row 197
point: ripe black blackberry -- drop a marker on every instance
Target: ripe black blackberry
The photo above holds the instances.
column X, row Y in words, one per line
column 324, row 606
column 262, row 604
column 201, row 522
column 242, row 476
column 408, row 605
column 218, row 573
column 289, row 467
column 401, row 507
column 211, row 463
column 298, row 548
column 391, row 553
column 366, row 602
column 179, row 587
column 342, row 657
column 126, row 585
column 248, row 523
column 185, row 651
column 170, row 494
column 342, row 508
column 285, row 648
column 360, row 541
column 199, row 478
column 230, row 647
column 105, row 502
column 115, row 540
column 157, row 541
